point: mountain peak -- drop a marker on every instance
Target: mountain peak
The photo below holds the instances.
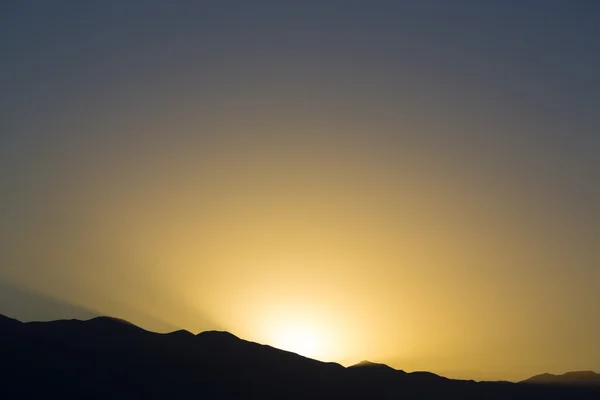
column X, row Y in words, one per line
column 367, row 363
column 181, row 333
column 111, row 321
column 219, row 335
column 370, row 364
column 104, row 318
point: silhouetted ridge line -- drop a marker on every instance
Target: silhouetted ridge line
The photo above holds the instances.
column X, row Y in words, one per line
column 590, row 378
column 8, row 324
column 219, row 335
column 369, row 364
column 116, row 323
column 8, row 320
column 181, row 333
column 111, row 358
column 366, row 363
column 106, row 319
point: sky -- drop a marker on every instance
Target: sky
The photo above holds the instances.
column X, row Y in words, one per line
column 408, row 182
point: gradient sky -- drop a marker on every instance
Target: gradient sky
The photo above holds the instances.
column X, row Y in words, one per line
column 410, row 182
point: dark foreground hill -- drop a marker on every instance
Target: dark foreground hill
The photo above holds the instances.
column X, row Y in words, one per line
column 107, row 358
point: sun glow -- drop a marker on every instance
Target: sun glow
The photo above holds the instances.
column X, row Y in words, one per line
column 298, row 339
column 294, row 329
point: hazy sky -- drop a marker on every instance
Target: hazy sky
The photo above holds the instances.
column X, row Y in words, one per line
column 410, row 182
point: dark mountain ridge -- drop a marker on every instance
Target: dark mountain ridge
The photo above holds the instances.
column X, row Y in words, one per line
column 569, row 378
column 111, row 358
column 372, row 365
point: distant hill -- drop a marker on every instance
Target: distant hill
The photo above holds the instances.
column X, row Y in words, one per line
column 570, row 378
column 374, row 366
column 108, row 358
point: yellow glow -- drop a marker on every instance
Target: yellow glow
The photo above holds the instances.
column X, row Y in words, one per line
column 333, row 252
column 298, row 338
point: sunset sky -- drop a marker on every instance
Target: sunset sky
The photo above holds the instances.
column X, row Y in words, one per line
column 409, row 182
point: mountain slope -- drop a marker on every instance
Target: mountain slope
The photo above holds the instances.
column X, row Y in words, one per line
column 110, row 358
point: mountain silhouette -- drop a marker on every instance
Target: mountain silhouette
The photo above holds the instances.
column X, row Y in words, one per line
column 375, row 366
column 570, row 378
column 7, row 323
column 107, row 357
